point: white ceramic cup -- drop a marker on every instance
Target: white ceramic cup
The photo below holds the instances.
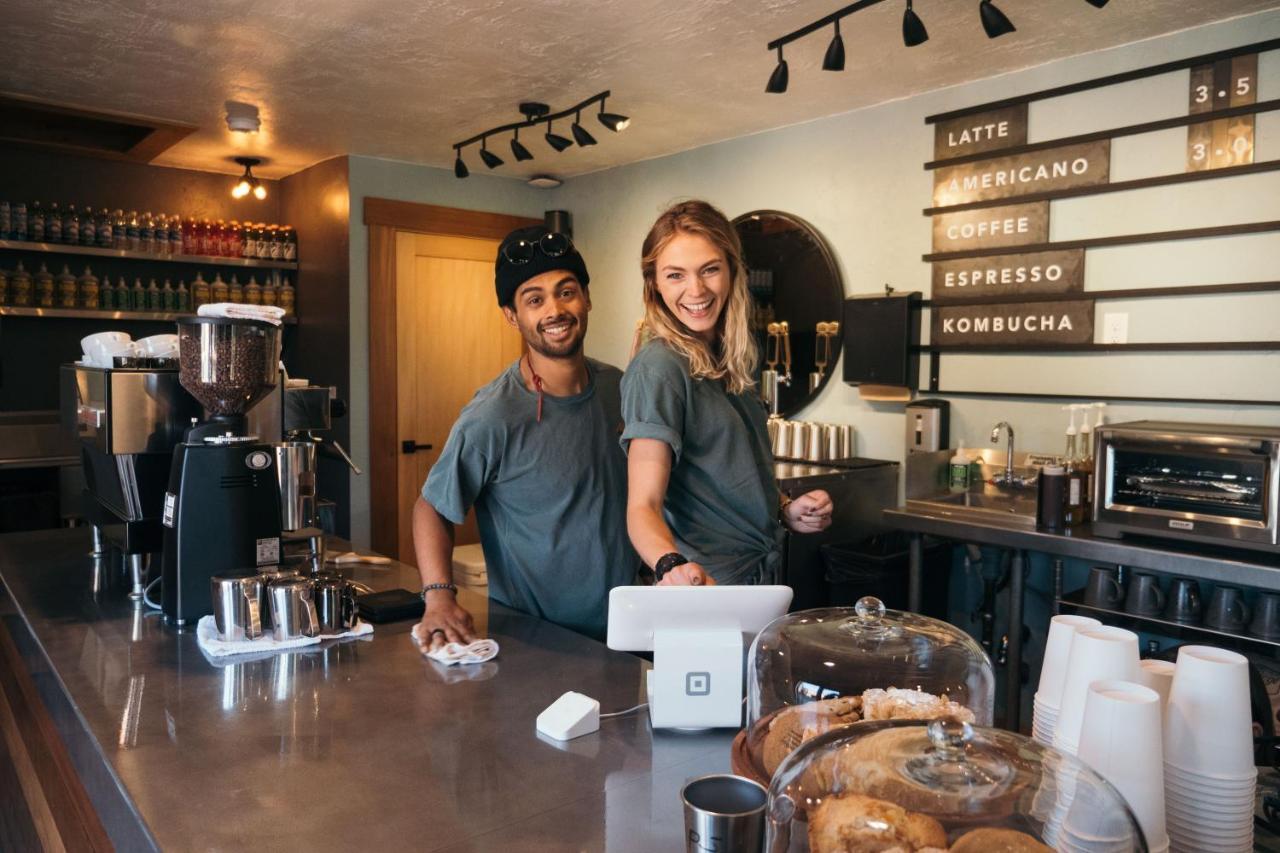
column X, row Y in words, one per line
column 98, row 348
column 1158, row 675
column 1120, row 738
column 1097, row 654
column 1057, row 650
column 1208, row 721
column 158, row 346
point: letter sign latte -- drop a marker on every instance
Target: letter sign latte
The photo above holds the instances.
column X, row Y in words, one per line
column 1026, row 324
column 972, row 134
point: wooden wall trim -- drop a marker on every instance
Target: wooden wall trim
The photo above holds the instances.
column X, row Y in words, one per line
column 76, row 821
column 432, row 219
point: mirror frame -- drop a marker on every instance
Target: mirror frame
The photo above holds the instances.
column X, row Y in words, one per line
column 838, row 288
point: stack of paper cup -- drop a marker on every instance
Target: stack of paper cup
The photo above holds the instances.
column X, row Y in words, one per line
column 1097, row 654
column 1121, row 739
column 1158, row 675
column 1208, row 752
column 1053, row 673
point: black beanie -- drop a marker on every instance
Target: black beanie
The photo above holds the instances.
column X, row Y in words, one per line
column 508, row 276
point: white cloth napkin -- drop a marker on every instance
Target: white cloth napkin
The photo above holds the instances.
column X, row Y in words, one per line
column 207, row 638
column 236, row 311
column 352, row 557
column 481, row 651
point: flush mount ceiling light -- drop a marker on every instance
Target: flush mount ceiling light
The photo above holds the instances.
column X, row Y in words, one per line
column 242, row 118
column 544, row 182
column 248, row 183
column 535, row 114
column 994, row 22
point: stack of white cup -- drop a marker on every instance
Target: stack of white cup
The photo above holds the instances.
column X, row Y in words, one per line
column 1047, row 702
column 1209, row 770
column 1121, row 739
column 1158, row 675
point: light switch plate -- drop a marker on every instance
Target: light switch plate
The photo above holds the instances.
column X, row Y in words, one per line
column 1115, row 328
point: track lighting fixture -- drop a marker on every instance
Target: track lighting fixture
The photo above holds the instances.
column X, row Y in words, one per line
column 995, row 22
column 779, row 78
column 580, row 134
column 913, row 31
column 557, row 141
column 536, row 114
column 834, row 60
column 248, row 183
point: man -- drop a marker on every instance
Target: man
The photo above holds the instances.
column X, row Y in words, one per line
column 536, row 453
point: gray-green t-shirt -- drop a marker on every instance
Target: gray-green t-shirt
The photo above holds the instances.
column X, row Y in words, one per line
column 722, row 498
column 550, row 496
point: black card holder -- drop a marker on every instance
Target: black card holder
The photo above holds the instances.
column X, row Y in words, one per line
column 391, row 605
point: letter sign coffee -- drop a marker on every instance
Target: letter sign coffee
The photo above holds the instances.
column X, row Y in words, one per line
column 973, row 134
column 1026, row 324
column 991, row 227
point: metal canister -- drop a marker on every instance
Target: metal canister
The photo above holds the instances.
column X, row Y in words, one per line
column 799, row 440
column 846, row 441
column 831, row 441
column 772, row 427
column 782, row 439
column 813, row 446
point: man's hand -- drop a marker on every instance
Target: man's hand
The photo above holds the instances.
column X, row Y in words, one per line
column 445, row 621
column 687, row 574
column 809, row 513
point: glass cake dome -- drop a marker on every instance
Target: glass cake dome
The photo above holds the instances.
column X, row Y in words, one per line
column 816, row 670
column 915, row 785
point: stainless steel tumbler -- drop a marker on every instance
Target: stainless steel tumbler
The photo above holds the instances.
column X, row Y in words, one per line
column 723, row 814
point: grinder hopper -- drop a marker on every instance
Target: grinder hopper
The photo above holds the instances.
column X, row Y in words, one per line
column 228, row 365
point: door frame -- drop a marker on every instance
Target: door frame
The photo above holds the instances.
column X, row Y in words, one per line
column 384, row 220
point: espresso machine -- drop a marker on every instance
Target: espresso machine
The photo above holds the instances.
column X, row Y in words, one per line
column 222, row 506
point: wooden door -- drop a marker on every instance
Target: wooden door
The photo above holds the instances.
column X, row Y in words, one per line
column 451, row 339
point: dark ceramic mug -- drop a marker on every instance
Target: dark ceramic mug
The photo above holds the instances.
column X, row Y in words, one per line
column 1227, row 610
column 1184, row 604
column 1103, row 589
column 1145, row 597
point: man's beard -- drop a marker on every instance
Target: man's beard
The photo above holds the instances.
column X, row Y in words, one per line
column 566, row 349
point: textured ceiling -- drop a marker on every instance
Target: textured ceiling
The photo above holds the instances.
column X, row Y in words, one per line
column 403, row 79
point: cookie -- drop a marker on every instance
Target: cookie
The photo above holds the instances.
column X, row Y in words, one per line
column 796, row 725
column 858, row 824
column 993, row 840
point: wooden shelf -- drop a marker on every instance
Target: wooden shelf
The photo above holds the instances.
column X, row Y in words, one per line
column 94, row 251
column 103, row 314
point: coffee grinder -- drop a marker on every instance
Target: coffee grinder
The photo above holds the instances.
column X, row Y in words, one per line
column 222, row 509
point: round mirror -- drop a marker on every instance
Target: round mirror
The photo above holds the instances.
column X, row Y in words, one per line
column 798, row 302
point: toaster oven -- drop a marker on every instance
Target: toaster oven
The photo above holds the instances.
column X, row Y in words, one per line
column 1200, row 482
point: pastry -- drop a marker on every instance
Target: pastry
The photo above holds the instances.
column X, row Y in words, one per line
column 796, row 725
column 992, row 840
column 895, row 704
column 858, row 824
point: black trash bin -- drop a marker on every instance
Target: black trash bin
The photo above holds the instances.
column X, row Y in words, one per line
column 879, row 566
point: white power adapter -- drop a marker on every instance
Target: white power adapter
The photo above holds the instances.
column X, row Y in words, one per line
column 572, row 715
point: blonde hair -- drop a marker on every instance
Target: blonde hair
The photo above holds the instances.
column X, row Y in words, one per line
column 734, row 360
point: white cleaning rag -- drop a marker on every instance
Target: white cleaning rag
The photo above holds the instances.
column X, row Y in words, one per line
column 207, row 638
column 347, row 557
column 454, row 653
column 236, row 311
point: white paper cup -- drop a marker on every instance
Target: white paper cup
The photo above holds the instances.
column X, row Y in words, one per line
column 1158, row 675
column 1057, row 651
column 1208, row 721
column 1097, row 654
column 1120, row 738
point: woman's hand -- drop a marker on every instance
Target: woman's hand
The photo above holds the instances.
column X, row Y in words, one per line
column 444, row 621
column 687, row 574
column 809, row 513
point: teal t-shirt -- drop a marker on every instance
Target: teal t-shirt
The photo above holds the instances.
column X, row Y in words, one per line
column 722, row 498
column 550, row 496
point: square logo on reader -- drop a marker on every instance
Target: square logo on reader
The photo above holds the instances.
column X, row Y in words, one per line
column 697, row 683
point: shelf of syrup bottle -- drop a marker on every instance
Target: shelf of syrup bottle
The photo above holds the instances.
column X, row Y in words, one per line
column 104, row 314
column 95, row 251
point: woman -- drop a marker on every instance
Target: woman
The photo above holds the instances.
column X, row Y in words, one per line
column 702, row 502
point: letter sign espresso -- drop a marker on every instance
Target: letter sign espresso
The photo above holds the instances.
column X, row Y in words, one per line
column 1026, row 324
column 1008, row 275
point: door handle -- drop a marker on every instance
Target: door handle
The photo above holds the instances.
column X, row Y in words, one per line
column 412, row 447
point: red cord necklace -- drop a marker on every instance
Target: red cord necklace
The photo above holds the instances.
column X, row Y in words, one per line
column 537, row 384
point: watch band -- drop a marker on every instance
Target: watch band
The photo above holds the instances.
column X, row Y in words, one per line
column 452, row 587
column 667, row 562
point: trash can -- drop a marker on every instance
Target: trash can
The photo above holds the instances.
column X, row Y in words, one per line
column 878, row 566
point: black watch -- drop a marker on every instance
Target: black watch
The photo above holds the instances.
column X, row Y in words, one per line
column 667, row 562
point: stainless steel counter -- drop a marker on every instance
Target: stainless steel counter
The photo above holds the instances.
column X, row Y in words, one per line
column 356, row 744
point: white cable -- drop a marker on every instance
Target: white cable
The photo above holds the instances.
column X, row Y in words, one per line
column 623, row 713
column 146, row 594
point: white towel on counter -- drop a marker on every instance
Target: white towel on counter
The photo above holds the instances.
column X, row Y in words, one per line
column 481, row 651
column 210, row 644
column 236, row 311
column 348, row 557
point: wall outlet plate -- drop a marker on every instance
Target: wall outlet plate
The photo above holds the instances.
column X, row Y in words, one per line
column 1115, row 328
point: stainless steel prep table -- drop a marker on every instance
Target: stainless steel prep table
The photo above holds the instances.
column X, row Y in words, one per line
column 356, row 744
column 1260, row 570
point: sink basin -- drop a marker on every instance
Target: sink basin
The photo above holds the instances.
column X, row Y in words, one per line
column 1019, row 509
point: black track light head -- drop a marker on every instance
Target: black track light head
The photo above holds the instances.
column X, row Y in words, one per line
column 1097, row 4
column 778, row 79
column 518, row 150
column 459, row 167
column 557, row 141
column 580, row 134
column 613, row 121
column 490, row 159
column 834, row 60
column 993, row 20
column 913, row 31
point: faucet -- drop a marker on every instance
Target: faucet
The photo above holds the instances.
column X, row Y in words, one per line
column 1008, row 479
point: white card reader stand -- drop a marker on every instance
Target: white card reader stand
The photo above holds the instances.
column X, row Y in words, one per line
column 697, row 636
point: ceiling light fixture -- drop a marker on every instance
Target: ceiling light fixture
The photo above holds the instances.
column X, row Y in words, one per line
column 248, row 183
column 580, row 134
column 242, row 117
column 779, row 78
column 995, row 22
column 913, row 31
column 834, row 59
column 1097, row 4
column 535, row 114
